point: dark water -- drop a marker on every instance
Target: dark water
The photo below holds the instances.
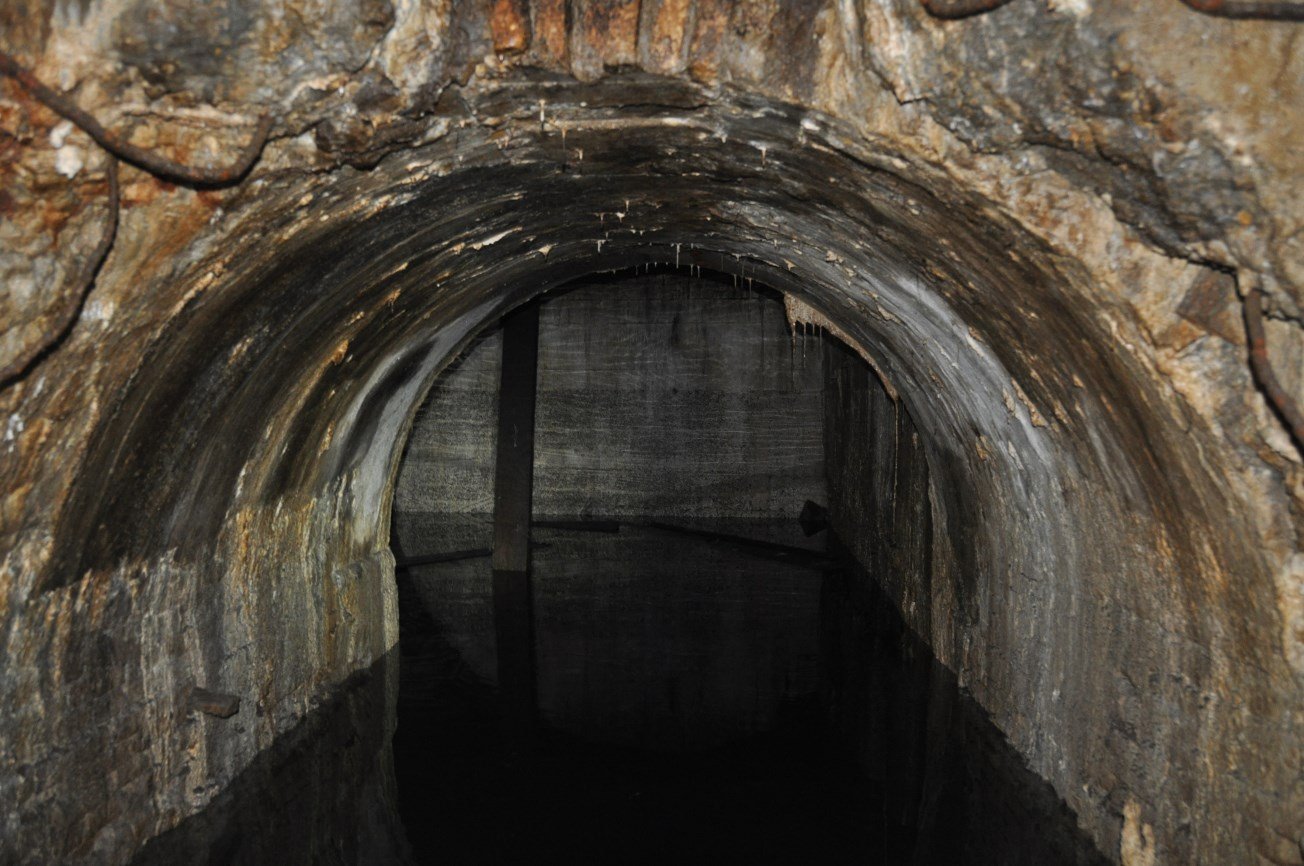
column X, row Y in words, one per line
column 864, row 751
column 771, row 799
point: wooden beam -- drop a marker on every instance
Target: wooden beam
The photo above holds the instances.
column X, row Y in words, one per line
column 453, row 556
column 514, row 632
column 513, row 489
column 514, row 470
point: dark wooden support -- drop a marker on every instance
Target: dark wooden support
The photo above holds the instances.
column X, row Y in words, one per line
column 798, row 556
column 513, row 489
column 514, row 631
column 452, row 556
column 514, row 471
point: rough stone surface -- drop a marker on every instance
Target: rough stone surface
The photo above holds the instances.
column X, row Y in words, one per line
column 324, row 794
column 1012, row 214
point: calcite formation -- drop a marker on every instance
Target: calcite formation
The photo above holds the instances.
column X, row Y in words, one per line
column 1035, row 221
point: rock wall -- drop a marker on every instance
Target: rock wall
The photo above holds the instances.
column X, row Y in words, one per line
column 1033, row 222
column 945, row 770
column 324, row 794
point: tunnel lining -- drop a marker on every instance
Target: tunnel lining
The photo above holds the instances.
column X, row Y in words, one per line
column 749, row 183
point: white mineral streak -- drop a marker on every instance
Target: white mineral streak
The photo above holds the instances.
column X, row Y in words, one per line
column 801, row 314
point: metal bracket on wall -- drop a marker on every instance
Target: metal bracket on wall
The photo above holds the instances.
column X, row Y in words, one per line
column 1261, row 366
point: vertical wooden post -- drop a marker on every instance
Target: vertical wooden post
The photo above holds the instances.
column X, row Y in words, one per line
column 513, row 489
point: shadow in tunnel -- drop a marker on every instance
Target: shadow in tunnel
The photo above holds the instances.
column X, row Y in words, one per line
column 937, row 762
column 696, row 701
column 322, row 794
column 468, row 796
column 832, row 781
column 449, row 789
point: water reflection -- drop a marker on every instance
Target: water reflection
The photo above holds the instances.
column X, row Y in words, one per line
column 679, row 687
column 869, row 755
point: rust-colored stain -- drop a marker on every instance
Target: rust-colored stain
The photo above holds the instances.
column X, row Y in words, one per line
column 510, row 23
column 339, row 354
column 711, row 20
column 666, row 30
column 609, row 28
column 144, row 189
column 1207, row 305
column 54, row 217
column 551, row 40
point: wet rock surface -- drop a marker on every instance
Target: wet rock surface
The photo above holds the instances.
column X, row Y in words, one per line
column 1007, row 214
column 323, row 793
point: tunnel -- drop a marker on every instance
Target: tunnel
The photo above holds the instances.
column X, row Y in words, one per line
column 1056, row 612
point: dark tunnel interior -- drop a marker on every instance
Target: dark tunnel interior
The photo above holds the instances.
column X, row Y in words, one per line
column 716, row 669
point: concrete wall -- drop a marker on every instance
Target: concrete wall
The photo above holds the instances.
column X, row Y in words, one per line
column 661, row 395
column 878, row 511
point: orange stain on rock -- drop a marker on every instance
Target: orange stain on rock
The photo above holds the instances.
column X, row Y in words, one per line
column 510, row 25
column 551, row 41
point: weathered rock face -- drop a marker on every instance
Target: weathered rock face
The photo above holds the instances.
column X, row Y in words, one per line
column 1007, row 214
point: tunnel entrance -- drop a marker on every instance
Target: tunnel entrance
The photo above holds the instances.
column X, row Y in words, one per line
column 676, row 599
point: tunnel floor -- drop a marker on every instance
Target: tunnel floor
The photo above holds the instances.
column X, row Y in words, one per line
column 781, row 795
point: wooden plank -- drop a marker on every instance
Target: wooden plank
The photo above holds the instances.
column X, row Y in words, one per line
column 798, row 556
column 514, row 470
column 452, row 556
column 513, row 488
column 514, row 638
column 434, row 558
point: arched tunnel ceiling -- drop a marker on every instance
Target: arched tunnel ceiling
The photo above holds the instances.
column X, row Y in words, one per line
column 976, row 324
column 227, row 416
column 361, row 301
column 295, row 385
column 354, row 304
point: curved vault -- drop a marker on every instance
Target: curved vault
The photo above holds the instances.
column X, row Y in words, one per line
column 244, row 475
